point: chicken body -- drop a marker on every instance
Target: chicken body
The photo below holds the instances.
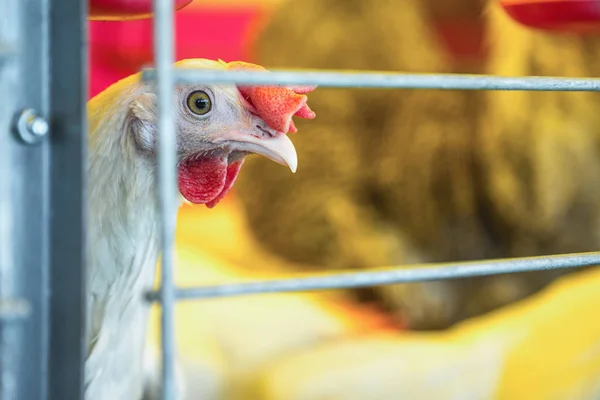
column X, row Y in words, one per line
column 398, row 187
column 122, row 250
column 216, row 127
column 431, row 176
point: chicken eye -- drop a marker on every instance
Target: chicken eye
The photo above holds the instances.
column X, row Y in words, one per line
column 199, row 102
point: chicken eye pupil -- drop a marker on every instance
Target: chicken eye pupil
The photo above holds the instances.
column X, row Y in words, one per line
column 201, row 104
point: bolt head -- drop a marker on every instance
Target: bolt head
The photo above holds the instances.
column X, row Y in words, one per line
column 30, row 127
column 39, row 126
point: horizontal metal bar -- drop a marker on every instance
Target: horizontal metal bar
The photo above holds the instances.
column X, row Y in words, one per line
column 14, row 309
column 386, row 276
column 383, row 80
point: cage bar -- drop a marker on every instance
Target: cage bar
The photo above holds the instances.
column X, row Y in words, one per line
column 164, row 53
column 387, row 276
column 24, row 204
column 8, row 82
column 382, row 80
column 66, row 22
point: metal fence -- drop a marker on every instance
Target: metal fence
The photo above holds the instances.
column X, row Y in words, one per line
column 42, row 229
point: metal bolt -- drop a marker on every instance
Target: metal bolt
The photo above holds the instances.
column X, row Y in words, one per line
column 30, row 127
column 38, row 126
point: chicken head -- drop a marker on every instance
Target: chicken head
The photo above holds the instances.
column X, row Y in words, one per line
column 218, row 126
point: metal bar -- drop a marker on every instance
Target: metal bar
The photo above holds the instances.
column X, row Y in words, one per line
column 33, row 213
column 386, row 276
column 25, row 204
column 164, row 53
column 383, row 80
column 9, row 333
column 10, row 344
column 68, row 96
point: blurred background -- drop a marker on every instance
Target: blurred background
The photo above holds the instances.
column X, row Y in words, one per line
column 394, row 178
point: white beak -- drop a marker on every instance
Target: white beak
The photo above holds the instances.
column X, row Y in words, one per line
column 279, row 148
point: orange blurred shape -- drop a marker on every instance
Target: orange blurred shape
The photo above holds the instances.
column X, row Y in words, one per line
column 115, row 10
column 573, row 16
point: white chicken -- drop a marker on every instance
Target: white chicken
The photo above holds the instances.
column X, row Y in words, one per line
column 217, row 126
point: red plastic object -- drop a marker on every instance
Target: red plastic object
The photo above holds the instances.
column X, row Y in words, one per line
column 574, row 16
column 122, row 48
column 116, row 10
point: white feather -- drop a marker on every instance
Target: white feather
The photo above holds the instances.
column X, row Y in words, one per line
column 122, row 248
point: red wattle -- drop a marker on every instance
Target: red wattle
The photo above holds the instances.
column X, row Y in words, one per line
column 202, row 180
column 232, row 172
column 207, row 180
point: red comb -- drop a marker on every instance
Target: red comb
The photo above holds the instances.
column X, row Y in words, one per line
column 276, row 105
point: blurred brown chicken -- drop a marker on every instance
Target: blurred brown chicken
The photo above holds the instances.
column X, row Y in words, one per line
column 405, row 176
